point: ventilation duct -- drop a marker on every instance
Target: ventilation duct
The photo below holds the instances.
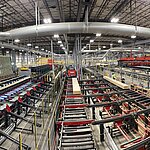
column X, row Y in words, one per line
column 11, row 46
column 76, row 27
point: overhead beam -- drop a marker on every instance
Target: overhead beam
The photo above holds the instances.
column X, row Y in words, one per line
column 80, row 5
column 117, row 9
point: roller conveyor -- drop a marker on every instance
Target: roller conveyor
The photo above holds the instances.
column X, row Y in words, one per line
column 134, row 107
column 9, row 97
column 75, row 137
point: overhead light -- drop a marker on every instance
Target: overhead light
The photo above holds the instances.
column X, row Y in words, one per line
column 29, row 44
column 56, row 36
column 104, row 46
column 99, row 48
column 46, row 50
column 36, row 47
column 13, row 49
column 61, row 45
column 59, row 42
column 22, row 50
column 7, row 52
column 91, row 41
column 63, row 48
column 139, row 47
column 119, row 41
column 133, row 36
column 111, row 44
column 114, row 20
column 2, row 47
column 98, row 34
column 20, row 53
column 42, row 49
column 17, row 40
column 47, row 20
column 84, row 47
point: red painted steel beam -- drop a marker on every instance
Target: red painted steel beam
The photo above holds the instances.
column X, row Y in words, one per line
column 74, row 123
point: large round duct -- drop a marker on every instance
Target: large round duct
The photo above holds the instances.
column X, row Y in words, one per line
column 76, row 27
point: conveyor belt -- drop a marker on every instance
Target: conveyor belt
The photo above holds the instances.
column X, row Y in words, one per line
column 124, row 110
column 75, row 137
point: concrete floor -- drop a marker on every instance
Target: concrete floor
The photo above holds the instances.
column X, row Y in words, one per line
column 28, row 137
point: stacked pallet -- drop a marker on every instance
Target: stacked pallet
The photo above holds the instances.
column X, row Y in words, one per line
column 140, row 89
column 5, row 67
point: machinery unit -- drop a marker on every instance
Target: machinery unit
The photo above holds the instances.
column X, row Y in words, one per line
column 134, row 61
column 18, row 97
column 71, row 72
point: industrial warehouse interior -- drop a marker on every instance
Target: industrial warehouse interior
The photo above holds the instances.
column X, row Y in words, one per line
column 74, row 74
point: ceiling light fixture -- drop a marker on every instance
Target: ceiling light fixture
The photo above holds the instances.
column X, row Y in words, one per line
column 42, row 49
column 2, row 47
column 91, row 41
column 104, row 46
column 36, row 47
column 17, row 40
column 56, row 36
column 119, row 41
column 98, row 34
column 59, row 42
column 47, row 20
column 114, row 20
column 63, row 48
column 61, row 45
column 29, row 44
column 133, row 36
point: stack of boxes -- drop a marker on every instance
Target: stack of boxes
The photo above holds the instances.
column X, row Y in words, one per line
column 5, row 67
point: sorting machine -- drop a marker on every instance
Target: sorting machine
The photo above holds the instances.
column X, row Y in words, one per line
column 123, row 111
column 18, row 96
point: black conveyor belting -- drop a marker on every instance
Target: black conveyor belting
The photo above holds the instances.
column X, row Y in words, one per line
column 139, row 144
column 121, row 117
column 114, row 103
column 20, row 117
column 13, row 140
